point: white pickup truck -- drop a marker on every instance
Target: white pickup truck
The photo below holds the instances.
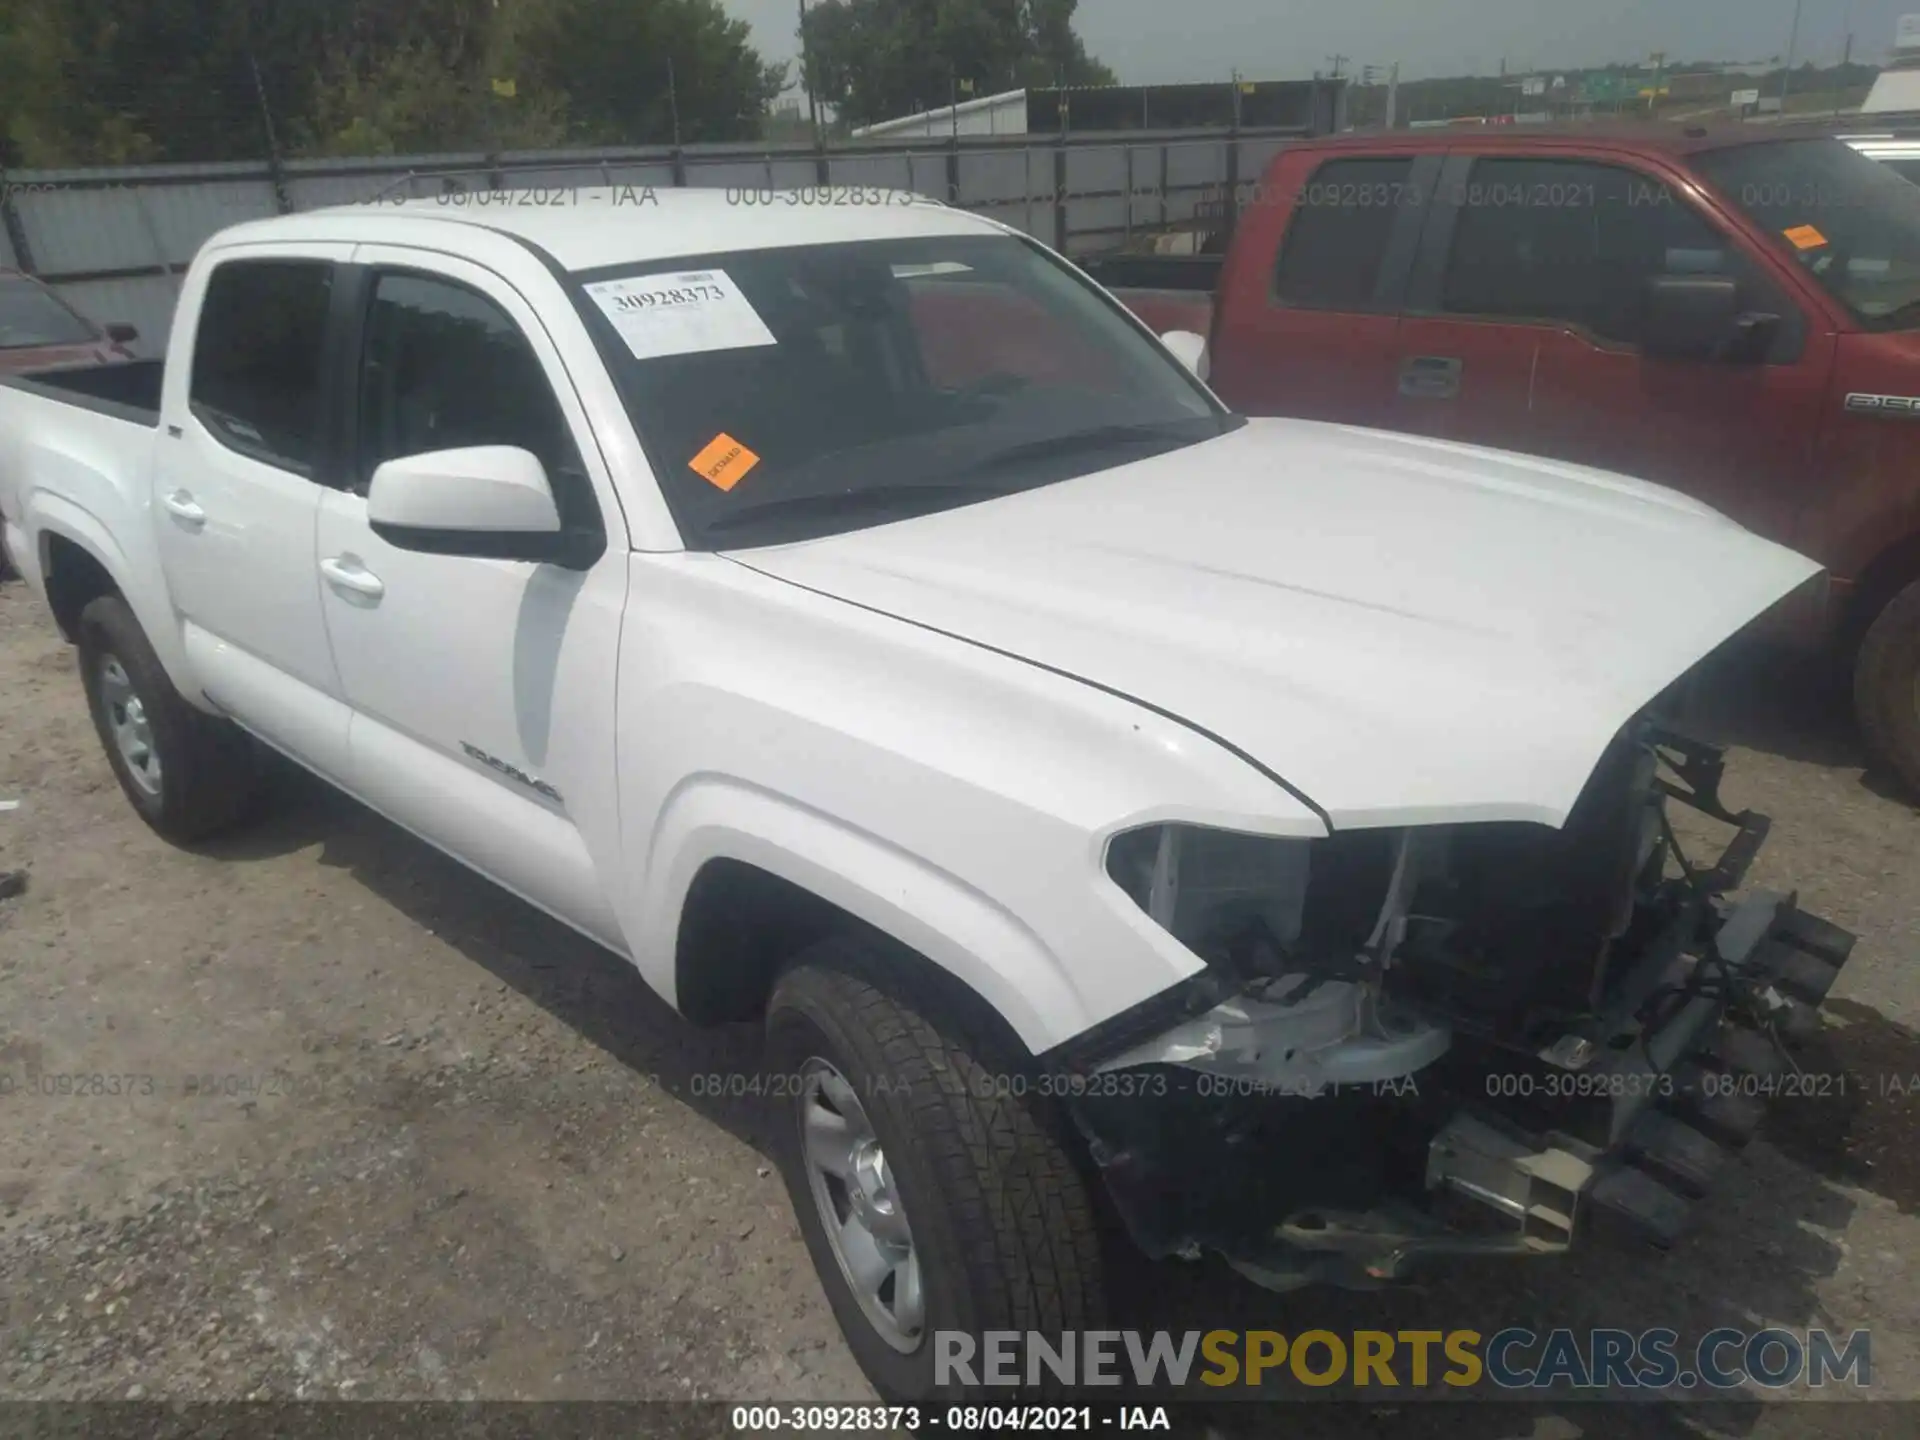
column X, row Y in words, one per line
column 843, row 609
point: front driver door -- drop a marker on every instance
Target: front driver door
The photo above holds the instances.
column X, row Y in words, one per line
column 481, row 690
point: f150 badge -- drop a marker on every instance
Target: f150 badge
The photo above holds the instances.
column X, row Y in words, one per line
column 512, row 772
column 1900, row 407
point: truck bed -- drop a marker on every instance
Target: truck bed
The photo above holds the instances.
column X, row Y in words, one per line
column 1169, row 292
column 126, row 390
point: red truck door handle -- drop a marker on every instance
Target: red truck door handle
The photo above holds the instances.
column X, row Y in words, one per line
column 1430, row 377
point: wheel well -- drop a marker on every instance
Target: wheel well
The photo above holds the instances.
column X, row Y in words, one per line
column 741, row 925
column 74, row 580
column 1890, row 573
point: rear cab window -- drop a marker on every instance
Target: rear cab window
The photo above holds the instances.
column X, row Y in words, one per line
column 257, row 358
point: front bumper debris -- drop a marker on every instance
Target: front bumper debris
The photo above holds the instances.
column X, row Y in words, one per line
column 1393, row 1145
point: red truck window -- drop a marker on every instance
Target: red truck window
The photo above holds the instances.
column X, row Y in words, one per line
column 1574, row 241
column 1337, row 238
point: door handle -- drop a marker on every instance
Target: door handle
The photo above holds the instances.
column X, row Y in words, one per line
column 1430, row 377
column 347, row 575
column 183, row 507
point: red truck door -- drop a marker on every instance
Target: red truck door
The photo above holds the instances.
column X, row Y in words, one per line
column 1523, row 322
column 1312, row 333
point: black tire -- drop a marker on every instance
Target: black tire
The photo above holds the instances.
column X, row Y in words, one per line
column 1001, row 1222
column 1886, row 687
column 209, row 771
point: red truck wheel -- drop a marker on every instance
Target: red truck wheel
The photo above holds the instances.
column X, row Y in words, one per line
column 1886, row 686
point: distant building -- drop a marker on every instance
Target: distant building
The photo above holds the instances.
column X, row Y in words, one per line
column 1897, row 88
column 1002, row 114
column 1313, row 106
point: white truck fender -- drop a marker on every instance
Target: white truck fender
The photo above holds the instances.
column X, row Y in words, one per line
column 143, row 587
column 713, row 817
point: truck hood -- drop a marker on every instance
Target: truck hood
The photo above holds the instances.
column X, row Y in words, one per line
column 1405, row 631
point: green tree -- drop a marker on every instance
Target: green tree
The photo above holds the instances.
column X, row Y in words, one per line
column 106, row 81
column 876, row 59
column 627, row 66
column 125, row 81
column 412, row 100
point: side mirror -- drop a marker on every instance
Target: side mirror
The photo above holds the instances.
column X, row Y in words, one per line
column 1698, row 317
column 487, row 501
column 122, row 333
column 1189, row 349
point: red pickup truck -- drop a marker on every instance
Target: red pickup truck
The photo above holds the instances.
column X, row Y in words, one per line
column 1733, row 314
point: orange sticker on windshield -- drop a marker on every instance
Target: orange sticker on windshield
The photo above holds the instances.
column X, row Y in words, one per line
column 1804, row 237
column 725, row 462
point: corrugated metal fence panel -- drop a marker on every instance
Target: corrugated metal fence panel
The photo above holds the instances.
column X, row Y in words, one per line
column 728, row 174
column 143, row 301
column 316, row 192
column 1147, row 205
column 1092, row 222
column 927, row 175
column 895, row 172
column 185, row 216
column 123, row 227
column 86, row 221
column 1194, row 172
column 1256, row 155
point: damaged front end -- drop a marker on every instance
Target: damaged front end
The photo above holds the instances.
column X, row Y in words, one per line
column 1468, row 1039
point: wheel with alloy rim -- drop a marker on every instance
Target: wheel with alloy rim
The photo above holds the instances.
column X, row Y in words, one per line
column 932, row 1195
column 127, row 720
column 188, row 774
column 859, row 1206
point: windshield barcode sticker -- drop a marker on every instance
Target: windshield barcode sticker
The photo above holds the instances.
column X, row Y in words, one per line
column 687, row 314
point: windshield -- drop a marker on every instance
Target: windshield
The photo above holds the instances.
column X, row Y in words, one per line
column 31, row 316
column 1850, row 222
column 788, row 393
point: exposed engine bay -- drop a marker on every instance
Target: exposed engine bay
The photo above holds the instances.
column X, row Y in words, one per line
column 1474, row 1038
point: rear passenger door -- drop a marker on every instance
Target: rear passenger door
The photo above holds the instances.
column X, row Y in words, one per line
column 1313, row 335
column 243, row 455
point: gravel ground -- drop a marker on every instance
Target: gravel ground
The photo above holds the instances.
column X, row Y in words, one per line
column 348, row 1122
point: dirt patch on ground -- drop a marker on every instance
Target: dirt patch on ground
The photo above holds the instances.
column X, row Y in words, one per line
column 316, row 1113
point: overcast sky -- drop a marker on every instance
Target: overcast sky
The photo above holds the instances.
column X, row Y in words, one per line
column 1159, row 41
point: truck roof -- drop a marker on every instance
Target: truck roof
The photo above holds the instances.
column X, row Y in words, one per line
column 585, row 229
column 1648, row 137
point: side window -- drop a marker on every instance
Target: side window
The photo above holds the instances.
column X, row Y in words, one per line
column 257, row 358
column 1337, row 236
column 442, row 367
column 1577, row 242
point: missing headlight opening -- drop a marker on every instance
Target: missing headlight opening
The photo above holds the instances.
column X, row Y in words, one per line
column 1465, row 1038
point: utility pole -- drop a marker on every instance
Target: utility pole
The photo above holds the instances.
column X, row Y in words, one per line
column 1338, row 62
column 806, row 78
column 1393, row 93
column 673, row 102
column 1793, row 43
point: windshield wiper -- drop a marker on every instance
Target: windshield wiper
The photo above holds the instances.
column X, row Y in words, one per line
column 882, row 498
column 1100, row 437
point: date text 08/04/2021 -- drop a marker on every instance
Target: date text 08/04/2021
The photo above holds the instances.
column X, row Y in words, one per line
column 961, row 1419
column 561, row 196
